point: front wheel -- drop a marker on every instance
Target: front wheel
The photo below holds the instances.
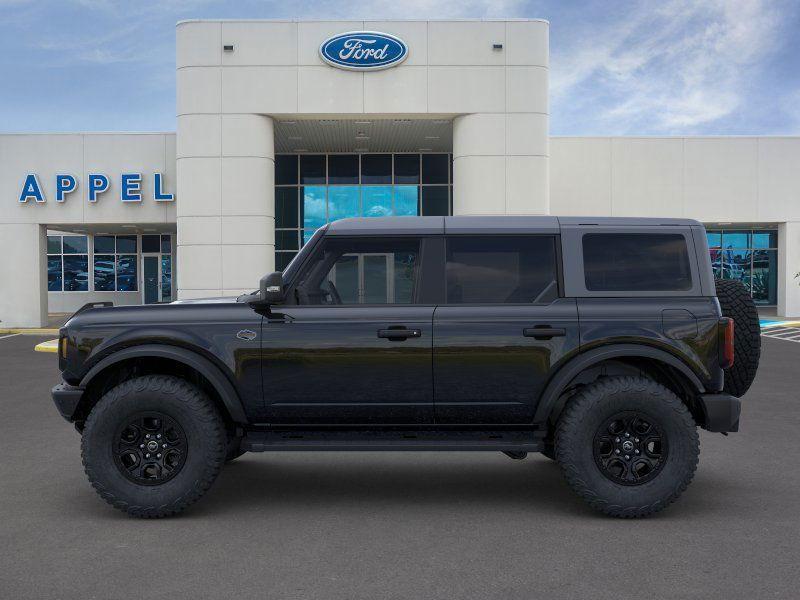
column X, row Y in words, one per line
column 153, row 445
column 627, row 445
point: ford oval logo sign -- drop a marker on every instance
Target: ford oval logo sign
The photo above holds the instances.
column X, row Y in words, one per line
column 363, row 50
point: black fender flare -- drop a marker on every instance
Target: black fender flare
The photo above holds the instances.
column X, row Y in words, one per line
column 191, row 359
column 585, row 360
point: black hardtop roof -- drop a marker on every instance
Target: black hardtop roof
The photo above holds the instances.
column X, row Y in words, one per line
column 488, row 224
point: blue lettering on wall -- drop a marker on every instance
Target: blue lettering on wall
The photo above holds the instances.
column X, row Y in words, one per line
column 363, row 51
column 65, row 184
column 131, row 188
column 158, row 195
column 98, row 183
column 31, row 190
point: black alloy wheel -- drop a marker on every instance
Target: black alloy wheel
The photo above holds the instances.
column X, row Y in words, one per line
column 630, row 448
column 150, row 448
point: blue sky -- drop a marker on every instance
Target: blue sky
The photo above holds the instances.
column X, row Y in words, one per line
column 617, row 68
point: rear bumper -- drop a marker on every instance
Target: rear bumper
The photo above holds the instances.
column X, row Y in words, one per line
column 66, row 399
column 721, row 412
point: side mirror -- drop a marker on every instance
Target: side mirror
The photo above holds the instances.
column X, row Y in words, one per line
column 270, row 289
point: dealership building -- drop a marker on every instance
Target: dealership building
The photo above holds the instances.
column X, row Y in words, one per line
column 283, row 126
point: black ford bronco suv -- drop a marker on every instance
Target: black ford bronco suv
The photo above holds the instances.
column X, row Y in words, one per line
column 601, row 343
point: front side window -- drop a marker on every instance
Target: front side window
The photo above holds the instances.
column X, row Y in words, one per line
column 636, row 262
column 366, row 271
column 501, row 270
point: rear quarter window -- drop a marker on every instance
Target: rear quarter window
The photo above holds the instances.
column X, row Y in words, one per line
column 636, row 262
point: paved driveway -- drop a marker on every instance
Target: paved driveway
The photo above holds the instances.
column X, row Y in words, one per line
column 400, row 525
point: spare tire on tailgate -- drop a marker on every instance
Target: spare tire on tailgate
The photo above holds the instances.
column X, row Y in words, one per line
column 736, row 303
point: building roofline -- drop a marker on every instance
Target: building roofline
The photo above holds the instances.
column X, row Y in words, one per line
column 463, row 20
column 12, row 133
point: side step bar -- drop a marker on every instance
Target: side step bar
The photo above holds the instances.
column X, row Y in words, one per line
column 502, row 441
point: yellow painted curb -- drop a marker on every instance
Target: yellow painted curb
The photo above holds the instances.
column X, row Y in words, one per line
column 30, row 331
column 48, row 346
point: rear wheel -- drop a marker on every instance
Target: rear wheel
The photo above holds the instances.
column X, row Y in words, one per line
column 627, row 445
column 153, row 445
column 736, row 303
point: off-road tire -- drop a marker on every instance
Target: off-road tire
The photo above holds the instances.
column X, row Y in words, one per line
column 205, row 445
column 586, row 413
column 736, row 303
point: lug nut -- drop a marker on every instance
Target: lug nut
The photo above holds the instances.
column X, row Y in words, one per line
column 147, row 436
column 635, row 439
column 636, row 451
column 159, row 436
column 147, row 456
column 627, row 435
column 617, row 440
column 141, row 445
column 617, row 450
column 158, row 456
column 627, row 457
column 163, row 445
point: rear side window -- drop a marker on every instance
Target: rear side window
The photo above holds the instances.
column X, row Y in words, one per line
column 501, row 270
column 634, row 262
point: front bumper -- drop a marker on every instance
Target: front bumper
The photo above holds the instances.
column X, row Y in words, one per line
column 721, row 412
column 67, row 398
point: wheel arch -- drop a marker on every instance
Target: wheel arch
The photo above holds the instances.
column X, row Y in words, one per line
column 680, row 377
column 163, row 358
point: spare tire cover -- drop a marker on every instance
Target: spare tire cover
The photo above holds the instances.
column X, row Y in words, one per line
column 736, row 303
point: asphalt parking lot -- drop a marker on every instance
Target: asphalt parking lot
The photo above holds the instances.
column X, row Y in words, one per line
column 399, row 525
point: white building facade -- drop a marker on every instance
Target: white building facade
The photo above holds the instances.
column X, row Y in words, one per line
column 282, row 128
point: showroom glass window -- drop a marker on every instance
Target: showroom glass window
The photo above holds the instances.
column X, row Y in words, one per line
column 115, row 263
column 749, row 256
column 67, row 263
column 314, row 189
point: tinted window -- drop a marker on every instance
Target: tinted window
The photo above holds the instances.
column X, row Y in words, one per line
column 151, row 243
column 367, row 271
column 343, row 168
column 104, row 243
column 501, row 270
column 636, row 262
column 312, row 168
column 285, row 169
column 376, row 168
column 434, row 168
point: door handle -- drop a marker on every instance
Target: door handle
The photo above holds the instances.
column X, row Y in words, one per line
column 544, row 333
column 399, row 335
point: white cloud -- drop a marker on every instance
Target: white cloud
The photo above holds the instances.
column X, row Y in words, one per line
column 671, row 69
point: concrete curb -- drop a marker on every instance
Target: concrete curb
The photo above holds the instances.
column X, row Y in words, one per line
column 48, row 346
column 29, row 331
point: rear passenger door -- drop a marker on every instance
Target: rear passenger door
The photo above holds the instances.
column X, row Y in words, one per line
column 502, row 328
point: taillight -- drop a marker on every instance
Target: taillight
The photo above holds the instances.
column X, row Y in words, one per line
column 725, row 343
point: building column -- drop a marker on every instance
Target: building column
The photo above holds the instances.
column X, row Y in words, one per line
column 226, row 221
column 23, row 272
column 501, row 164
column 788, row 266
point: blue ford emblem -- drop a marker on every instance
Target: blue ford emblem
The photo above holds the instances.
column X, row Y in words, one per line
column 363, row 50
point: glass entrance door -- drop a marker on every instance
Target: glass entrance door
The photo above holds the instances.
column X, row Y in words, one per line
column 151, row 289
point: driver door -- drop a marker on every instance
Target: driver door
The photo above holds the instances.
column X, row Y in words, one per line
column 357, row 346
